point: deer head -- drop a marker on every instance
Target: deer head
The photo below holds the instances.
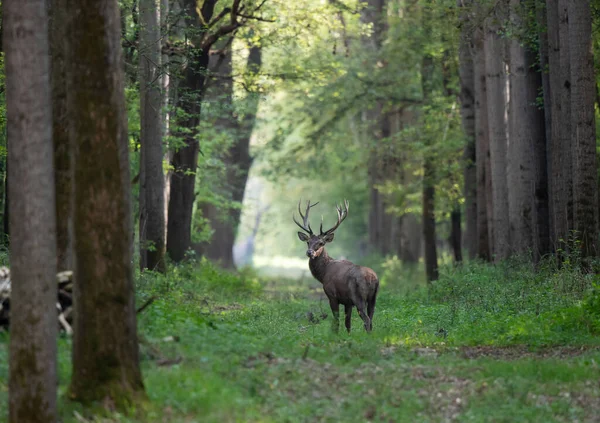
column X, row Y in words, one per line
column 316, row 243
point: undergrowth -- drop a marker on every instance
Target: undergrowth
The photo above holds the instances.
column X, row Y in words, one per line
column 504, row 342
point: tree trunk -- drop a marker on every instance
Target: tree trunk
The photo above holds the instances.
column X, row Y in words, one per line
column 185, row 159
column 496, row 84
column 482, row 149
column 554, row 171
column 63, row 157
column 543, row 235
column 32, row 374
column 467, row 102
column 583, row 127
column 380, row 223
column 527, row 130
column 152, row 180
column 429, row 176
column 105, row 345
column 429, row 237
column 562, row 181
column 456, row 234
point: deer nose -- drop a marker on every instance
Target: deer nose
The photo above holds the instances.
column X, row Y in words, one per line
column 310, row 253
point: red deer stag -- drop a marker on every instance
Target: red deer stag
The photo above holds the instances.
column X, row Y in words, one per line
column 343, row 282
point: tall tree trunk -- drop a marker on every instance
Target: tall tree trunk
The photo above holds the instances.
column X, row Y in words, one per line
column 105, row 345
column 496, row 84
column 555, row 116
column 482, row 148
column 185, row 159
column 63, row 157
column 527, row 130
column 562, row 185
column 429, row 237
column 429, row 176
column 380, row 224
column 152, row 180
column 32, row 375
column 543, row 227
column 583, row 127
column 168, row 88
column 467, row 102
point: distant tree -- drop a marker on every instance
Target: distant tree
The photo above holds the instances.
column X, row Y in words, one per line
column 583, row 127
column 152, row 179
column 32, row 374
column 105, row 345
column 467, row 101
column 236, row 157
column 204, row 27
column 484, row 203
column 429, row 169
column 383, row 237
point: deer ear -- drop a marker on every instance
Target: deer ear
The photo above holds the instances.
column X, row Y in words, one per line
column 303, row 237
column 328, row 237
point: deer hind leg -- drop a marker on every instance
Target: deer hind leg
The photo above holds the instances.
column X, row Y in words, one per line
column 363, row 315
column 371, row 305
column 348, row 310
column 335, row 309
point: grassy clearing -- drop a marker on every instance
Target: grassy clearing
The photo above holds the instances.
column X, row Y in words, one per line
column 486, row 343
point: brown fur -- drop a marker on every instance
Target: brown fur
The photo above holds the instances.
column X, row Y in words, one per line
column 343, row 282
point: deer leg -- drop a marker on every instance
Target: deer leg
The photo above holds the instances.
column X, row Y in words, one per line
column 364, row 316
column 371, row 308
column 348, row 310
column 335, row 309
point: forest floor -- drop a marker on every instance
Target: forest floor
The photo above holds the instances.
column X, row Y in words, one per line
column 488, row 344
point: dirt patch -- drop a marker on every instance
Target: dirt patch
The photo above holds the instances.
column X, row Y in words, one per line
column 587, row 402
column 306, row 380
column 522, row 351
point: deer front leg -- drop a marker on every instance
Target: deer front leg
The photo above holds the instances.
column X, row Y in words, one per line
column 348, row 310
column 335, row 309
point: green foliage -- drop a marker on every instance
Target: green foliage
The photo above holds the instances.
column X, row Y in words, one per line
column 489, row 341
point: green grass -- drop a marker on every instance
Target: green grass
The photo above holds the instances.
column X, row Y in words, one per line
column 487, row 343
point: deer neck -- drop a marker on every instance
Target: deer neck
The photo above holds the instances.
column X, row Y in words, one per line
column 318, row 265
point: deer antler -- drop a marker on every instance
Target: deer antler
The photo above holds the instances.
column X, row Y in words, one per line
column 306, row 226
column 342, row 214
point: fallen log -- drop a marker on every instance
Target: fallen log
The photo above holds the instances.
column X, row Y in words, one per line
column 64, row 303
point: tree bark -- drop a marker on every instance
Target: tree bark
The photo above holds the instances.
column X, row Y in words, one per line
column 455, row 238
column 467, row 102
column 152, row 180
column 583, row 127
column 562, row 185
column 32, row 351
column 63, row 157
column 482, row 149
column 496, row 85
column 543, row 227
column 527, row 130
column 105, row 346
column 429, row 237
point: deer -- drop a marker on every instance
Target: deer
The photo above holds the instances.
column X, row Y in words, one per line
column 343, row 281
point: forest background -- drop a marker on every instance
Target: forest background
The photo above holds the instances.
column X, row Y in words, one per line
column 462, row 133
